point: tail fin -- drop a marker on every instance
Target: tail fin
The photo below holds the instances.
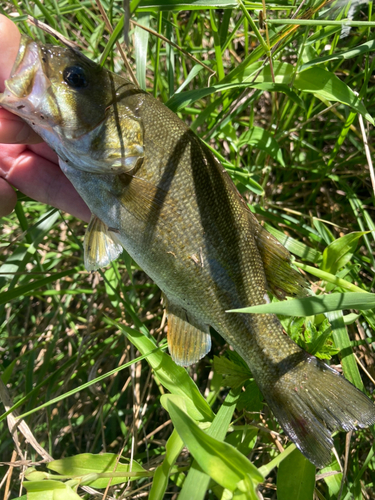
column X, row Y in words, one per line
column 322, row 402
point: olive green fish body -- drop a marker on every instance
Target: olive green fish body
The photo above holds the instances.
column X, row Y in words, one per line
column 181, row 206
column 155, row 189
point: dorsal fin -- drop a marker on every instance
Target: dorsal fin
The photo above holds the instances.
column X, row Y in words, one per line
column 100, row 245
column 189, row 339
column 282, row 278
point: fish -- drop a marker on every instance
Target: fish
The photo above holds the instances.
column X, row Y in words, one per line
column 155, row 189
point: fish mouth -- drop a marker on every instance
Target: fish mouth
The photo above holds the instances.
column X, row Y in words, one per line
column 28, row 84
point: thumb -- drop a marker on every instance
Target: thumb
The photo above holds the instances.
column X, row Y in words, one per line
column 13, row 130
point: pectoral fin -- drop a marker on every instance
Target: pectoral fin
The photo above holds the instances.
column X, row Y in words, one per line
column 189, row 340
column 99, row 245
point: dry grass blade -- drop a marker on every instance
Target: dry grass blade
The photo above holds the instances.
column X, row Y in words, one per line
column 166, row 40
column 14, row 424
column 118, row 45
column 346, row 461
column 364, row 369
column 9, row 474
column 367, row 151
column 45, row 27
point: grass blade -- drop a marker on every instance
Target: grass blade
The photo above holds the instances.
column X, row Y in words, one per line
column 318, row 304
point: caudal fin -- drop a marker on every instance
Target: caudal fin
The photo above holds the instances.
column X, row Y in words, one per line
column 321, row 402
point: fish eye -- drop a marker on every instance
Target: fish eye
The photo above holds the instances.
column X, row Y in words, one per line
column 75, row 77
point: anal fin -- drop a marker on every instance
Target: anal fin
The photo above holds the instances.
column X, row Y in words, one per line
column 189, row 339
column 100, row 245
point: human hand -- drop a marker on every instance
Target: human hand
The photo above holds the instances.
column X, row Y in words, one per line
column 26, row 162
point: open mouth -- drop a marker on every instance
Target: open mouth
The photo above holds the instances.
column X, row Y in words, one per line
column 26, row 88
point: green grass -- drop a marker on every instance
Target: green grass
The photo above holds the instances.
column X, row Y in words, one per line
column 289, row 135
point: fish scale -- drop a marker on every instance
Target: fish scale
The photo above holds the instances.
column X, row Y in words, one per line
column 156, row 190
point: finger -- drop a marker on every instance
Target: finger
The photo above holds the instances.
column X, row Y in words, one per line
column 13, row 130
column 9, row 44
column 45, row 151
column 8, row 198
column 40, row 179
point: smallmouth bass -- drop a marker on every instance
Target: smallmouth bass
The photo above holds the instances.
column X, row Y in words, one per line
column 156, row 190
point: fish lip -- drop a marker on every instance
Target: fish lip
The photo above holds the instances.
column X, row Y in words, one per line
column 24, row 42
column 28, row 83
column 19, row 65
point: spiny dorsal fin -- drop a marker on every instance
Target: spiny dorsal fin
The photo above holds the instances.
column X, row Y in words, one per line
column 282, row 278
column 100, row 245
column 189, row 340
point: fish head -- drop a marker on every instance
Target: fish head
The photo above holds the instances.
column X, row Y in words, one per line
column 76, row 106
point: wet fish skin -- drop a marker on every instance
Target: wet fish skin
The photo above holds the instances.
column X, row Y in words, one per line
column 156, row 190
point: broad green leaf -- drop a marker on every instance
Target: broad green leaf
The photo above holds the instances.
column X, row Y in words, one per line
column 317, row 344
column 235, row 375
column 31, row 474
column 173, row 377
column 339, row 252
column 49, row 490
column 251, row 399
column 324, row 84
column 244, row 438
column 223, row 463
column 245, row 179
column 333, row 482
column 318, row 304
column 197, row 481
column 295, row 478
column 263, row 140
column 88, row 463
column 193, row 73
column 342, row 342
column 278, row 87
column 350, row 318
column 348, row 54
column 141, row 44
column 324, row 231
column 308, row 53
column 282, row 71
